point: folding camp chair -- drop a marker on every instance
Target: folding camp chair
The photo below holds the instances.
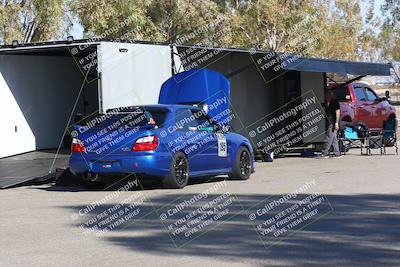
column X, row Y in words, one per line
column 347, row 138
column 386, row 138
column 389, row 135
column 372, row 142
column 352, row 135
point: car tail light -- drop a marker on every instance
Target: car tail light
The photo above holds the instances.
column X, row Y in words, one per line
column 77, row 146
column 146, row 143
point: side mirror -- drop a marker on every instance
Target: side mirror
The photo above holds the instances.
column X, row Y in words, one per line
column 387, row 94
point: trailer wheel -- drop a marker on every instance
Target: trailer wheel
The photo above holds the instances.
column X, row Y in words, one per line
column 178, row 176
column 242, row 168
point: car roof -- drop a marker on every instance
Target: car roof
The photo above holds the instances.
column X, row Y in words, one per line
column 333, row 85
column 360, row 84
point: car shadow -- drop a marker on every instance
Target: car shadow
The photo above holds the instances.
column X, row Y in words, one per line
column 360, row 230
column 148, row 183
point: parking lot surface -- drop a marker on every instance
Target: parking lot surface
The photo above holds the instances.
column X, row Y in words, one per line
column 358, row 225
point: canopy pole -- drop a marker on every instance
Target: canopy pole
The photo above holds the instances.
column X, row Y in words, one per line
column 172, row 59
column 350, row 81
column 332, row 80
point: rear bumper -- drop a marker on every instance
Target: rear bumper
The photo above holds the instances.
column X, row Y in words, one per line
column 154, row 164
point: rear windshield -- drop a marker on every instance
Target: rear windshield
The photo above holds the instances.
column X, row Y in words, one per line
column 132, row 118
column 158, row 116
column 341, row 93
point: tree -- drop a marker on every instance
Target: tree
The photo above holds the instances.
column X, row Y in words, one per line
column 390, row 32
column 274, row 24
column 321, row 28
column 191, row 22
column 153, row 20
column 393, row 8
column 369, row 36
column 340, row 30
column 123, row 19
column 32, row 20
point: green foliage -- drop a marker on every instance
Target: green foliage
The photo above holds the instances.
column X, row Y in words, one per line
column 275, row 25
column 390, row 32
column 167, row 20
column 32, row 20
column 322, row 28
column 196, row 22
column 113, row 18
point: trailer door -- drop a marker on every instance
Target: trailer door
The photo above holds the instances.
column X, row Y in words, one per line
column 131, row 74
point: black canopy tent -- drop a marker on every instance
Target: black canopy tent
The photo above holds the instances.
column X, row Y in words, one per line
column 337, row 66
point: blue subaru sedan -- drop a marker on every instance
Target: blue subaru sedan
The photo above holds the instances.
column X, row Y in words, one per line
column 171, row 142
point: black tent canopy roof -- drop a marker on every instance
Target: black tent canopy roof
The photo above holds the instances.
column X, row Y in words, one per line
column 291, row 62
column 336, row 66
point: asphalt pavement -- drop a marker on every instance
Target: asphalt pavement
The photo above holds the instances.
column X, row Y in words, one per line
column 292, row 212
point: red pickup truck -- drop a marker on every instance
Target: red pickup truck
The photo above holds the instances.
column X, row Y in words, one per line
column 359, row 103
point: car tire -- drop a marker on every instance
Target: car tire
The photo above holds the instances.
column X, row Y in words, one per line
column 178, row 176
column 241, row 169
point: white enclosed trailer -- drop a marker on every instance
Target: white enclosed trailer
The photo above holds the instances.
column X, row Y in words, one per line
column 42, row 86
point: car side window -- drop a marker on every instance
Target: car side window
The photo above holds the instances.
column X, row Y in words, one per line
column 184, row 120
column 203, row 122
column 360, row 94
column 371, row 96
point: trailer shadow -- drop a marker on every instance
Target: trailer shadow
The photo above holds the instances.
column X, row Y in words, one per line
column 360, row 230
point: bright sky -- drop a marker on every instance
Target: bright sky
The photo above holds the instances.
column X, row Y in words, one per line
column 378, row 4
column 77, row 30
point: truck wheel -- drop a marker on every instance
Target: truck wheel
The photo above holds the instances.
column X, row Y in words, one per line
column 242, row 167
column 178, row 176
